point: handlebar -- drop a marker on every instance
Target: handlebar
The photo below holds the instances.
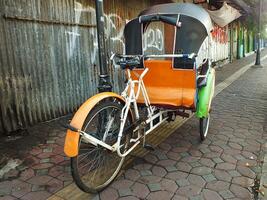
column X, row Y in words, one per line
column 126, row 61
column 131, row 61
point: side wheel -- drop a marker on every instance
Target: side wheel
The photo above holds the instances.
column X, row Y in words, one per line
column 95, row 167
column 204, row 127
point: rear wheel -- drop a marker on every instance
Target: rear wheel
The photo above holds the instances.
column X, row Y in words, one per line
column 95, row 167
column 204, row 127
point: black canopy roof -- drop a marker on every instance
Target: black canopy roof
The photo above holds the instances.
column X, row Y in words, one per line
column 187, row 9
column 193, row 25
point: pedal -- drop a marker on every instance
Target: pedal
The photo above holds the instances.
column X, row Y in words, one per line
column 149, row 147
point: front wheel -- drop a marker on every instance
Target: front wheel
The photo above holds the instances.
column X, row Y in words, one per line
column 204, row 127
column 95, row 167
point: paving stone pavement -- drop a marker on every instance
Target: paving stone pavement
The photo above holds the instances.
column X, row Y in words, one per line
column 224, row 166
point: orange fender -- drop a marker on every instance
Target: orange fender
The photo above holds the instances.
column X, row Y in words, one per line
column 72, row 138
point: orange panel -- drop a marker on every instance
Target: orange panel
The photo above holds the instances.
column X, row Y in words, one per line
column 168, row 86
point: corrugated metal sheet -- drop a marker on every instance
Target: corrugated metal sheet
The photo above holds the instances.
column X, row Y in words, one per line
column 48, row 56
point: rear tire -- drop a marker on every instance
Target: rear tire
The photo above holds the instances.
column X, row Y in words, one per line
column 204, row 127
column 95, row 167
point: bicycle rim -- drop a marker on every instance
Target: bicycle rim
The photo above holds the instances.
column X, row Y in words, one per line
column 95, row 167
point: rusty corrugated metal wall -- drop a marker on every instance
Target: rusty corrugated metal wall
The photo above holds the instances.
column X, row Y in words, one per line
column 49, row 56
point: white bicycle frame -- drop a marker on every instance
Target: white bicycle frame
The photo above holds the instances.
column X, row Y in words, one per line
column 130, row 98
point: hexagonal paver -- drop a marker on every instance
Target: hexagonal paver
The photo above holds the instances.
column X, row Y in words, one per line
column 142, row 166
column 128, row 198
column 195, row 152
column 65, row 177
column 160, row 155
column 122, row 184
column 54, row 185
column 189, row 191
column 159, row 171
column 208, row 195
column 196, row 180
column 145, row 172
column 183, row 166
column 173, row 155
column 190, row 159
column 240, row 192
column 228, row 158
column 207, row 162
column 235, row 146
column 132, row 174
column 222, row 175
column 140, row 190
column 21, row 189
column 165, row 146
column 243, row 181
column 245, row 171
column 171, row 168
column 149, row 179
column 109, row 194
column 154, row 187
column 36, row 195
column 209, row 177
column 232, row 151
column 226, row 194
column 201, row 170
column 218, row 185
column 125, row 192
column 160, row 195
column 26, row 174
column 214, row 148
column 168, row 185
column 151, row 158
column 179, row 149
column 226, row 166
column 166, row 163
column 176, row 175
column 212, row 155
column 234, row 173
column 247, row 162
column 56, row 171
column 182, row 182
column 39, row 180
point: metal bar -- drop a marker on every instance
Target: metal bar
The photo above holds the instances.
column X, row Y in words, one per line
column 49, row 22
column 192, row 55
column 104, row 84
column 95, row 141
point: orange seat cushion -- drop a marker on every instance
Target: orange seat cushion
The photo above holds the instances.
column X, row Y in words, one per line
column 166, row 85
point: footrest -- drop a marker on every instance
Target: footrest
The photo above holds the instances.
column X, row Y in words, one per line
column 149, row 147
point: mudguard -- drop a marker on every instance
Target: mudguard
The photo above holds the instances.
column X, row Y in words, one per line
column 72, row 138
column 205, row 95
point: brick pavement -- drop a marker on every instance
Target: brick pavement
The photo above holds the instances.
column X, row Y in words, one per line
column 222, row 167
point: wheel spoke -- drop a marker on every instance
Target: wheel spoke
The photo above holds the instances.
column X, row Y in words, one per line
column 95, row 167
